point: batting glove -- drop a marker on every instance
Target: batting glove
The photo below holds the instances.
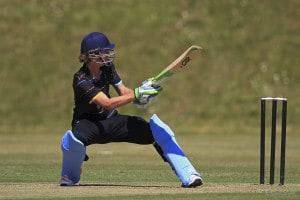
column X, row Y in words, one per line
column 145, row 93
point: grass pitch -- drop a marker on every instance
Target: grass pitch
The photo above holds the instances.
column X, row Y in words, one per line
column 229, row 163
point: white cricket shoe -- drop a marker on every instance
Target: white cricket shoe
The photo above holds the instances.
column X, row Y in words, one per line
column 194, row 181
column 65, row 181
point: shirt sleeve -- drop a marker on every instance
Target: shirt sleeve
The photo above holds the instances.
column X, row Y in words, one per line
column 114, row 78
column 85, row 90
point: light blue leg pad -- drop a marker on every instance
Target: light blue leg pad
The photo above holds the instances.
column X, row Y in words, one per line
column 165, row 138
column 73, row 155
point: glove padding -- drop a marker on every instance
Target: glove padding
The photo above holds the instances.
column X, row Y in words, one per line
column 145, row 93
column 145, row 102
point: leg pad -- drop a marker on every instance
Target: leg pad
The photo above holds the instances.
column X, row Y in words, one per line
column 73, row 152
column 165, row 138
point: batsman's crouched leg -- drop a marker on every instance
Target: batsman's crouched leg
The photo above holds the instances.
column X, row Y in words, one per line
column 73, row 152
column 139, row 132
column 183, row 168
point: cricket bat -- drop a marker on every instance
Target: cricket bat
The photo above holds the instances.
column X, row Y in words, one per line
column 179, row 64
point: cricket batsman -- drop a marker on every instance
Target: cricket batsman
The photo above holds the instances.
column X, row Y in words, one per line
column 97, row 121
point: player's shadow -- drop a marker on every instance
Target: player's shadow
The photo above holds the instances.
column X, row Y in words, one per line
column 123, row 185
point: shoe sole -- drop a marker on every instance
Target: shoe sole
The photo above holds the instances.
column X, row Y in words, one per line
column 65, row 184
column 196, row 183
column 68, row 184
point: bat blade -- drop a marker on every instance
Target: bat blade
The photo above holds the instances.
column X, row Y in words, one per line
column 181, row 63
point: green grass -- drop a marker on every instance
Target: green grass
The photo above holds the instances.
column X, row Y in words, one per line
column 229, row 163
column 250, row 50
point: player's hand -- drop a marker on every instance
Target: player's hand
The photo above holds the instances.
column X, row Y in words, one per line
column 146, row 91
column 150, row 82
column 144, row 101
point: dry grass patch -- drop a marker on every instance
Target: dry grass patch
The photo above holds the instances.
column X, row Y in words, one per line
column 51, row 190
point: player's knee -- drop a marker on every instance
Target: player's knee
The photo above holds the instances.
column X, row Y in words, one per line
column 70, row 143
column 161, row 131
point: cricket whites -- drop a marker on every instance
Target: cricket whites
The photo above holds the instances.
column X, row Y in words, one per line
column 179, row 64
